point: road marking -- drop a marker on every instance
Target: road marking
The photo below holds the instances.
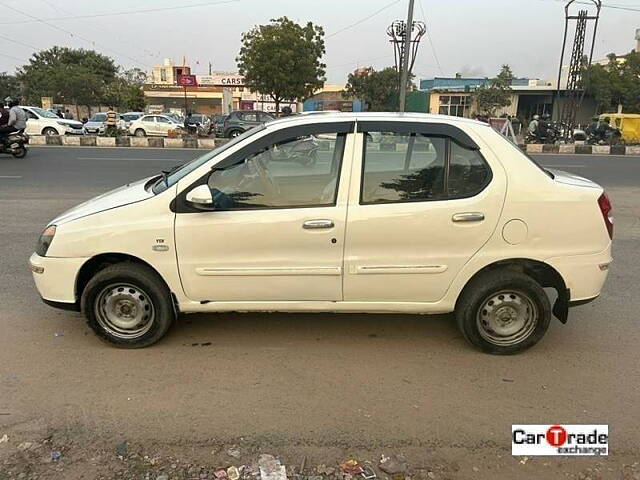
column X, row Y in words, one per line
column 10, row 176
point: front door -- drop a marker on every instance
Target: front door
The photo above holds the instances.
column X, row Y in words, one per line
column 422, row 205
column 277, row 228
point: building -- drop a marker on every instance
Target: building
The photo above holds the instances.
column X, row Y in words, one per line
column 332, row 97
column 215, row 94
column 455, row 96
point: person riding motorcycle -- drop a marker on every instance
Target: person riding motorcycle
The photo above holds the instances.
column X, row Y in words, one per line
column 593, row 126
column 17, row 119
column 190, row 124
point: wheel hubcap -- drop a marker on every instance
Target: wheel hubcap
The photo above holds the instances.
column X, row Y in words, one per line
column 124, row 310
column 507, row 318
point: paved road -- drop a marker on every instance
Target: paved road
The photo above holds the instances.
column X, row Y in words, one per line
column 322, row 384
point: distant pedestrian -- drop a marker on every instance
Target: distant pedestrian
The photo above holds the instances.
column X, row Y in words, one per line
column 111, row 123
column 68, row 115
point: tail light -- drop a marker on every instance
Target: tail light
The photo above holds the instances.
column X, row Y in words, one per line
column 605, row 207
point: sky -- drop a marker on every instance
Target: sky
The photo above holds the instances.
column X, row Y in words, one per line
column 471, row 37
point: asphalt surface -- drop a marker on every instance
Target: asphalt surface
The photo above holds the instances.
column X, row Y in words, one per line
column 322, row 384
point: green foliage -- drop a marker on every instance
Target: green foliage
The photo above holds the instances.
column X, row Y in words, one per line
column 73, row 76
column 283, row 59
column 495, row 94
column 125, row 90
column 9, row 86
column 616, row 83
column 379, row 89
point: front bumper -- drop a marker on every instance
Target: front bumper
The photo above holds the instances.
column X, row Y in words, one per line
column 55, row 278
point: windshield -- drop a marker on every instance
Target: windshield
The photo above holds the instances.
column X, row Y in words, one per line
column 44, row 113
column 172, row 178
column 100, row 117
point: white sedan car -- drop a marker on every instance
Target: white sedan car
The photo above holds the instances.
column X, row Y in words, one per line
column 153, row 125
column 45, row 122
column 397, row 213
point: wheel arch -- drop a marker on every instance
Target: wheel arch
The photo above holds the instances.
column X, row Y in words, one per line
column 103, row 260
column 543, row 273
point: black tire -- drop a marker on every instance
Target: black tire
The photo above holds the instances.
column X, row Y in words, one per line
column 140, row 133
column 49, row 131
column 481, row 305
column 136, row 280
column 20, row 152
column 234, row 133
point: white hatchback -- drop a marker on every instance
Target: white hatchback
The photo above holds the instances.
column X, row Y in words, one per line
column 45, row 122
column 340, row 213
column 153, row 125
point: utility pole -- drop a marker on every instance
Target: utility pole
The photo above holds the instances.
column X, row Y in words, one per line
column 404, row 72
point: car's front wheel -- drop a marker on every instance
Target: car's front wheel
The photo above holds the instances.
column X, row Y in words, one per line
column 503, row 312
column 128, row 305
column 49, row 131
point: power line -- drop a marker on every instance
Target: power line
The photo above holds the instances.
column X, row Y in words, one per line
column 17, row 42
column 363, row 19
column 604, row 5
column 128, row 12
column 358, row 62
column 73, row 34
column 433, row 49
column 12, row 58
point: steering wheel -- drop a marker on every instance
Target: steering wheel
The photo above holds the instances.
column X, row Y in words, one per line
column 263, row 173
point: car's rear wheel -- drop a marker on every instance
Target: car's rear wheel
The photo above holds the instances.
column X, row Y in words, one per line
column 140, row 133
column 503, row 312
column 128, row 305
column 49, row 131
column 234, row 133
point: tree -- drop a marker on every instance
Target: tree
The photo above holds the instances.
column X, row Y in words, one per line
column 73, row 76
column 283, row 59
column 378, row 89
column 9, row 86
column 125, row 91
column 615, row 84
column 496, row 93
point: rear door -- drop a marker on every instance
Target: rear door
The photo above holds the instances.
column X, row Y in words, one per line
column 163, row 126
column 423, row 201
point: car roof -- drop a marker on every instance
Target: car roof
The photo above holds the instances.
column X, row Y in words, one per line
column 372, row 116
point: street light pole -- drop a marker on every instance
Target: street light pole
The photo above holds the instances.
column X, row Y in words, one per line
column 404, row 73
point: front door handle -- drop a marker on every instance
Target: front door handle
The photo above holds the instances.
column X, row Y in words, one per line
column 468, row 217
column 317, row 224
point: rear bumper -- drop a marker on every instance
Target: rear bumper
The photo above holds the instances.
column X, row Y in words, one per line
column 55, row 278
column 584, row 275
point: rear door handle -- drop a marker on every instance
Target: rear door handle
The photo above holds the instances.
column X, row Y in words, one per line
column 317, row 224
column 468, row 217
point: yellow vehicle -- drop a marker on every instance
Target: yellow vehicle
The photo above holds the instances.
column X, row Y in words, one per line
column 628, row 123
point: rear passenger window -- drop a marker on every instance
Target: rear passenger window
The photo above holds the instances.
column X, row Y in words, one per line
column 402, row 167
column 468, row 173
column 410, row 167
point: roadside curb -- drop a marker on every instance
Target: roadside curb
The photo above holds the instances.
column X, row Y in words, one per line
column 136, row 142
column 581, row 149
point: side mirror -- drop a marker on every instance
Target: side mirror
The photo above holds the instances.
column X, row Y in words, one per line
column 200, row 197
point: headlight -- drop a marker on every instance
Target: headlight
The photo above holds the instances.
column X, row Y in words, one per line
column 45, row 240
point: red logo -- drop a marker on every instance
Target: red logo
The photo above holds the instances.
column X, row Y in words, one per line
column 556, row 436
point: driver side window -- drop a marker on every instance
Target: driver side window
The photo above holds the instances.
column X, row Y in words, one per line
column 297, row 172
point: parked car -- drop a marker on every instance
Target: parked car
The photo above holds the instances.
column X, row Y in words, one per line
column 44, row 122
column 240, row 121
column 128, row 118
column 445, row 216
column 153, row 125
column 96, row 124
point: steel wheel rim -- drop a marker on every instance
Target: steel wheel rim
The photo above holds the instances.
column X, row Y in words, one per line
column 507, row 318
column 124, row 311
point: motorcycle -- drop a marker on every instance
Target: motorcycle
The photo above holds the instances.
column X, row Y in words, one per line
column 550, row 137
column 612, row 136
column 14, row 144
